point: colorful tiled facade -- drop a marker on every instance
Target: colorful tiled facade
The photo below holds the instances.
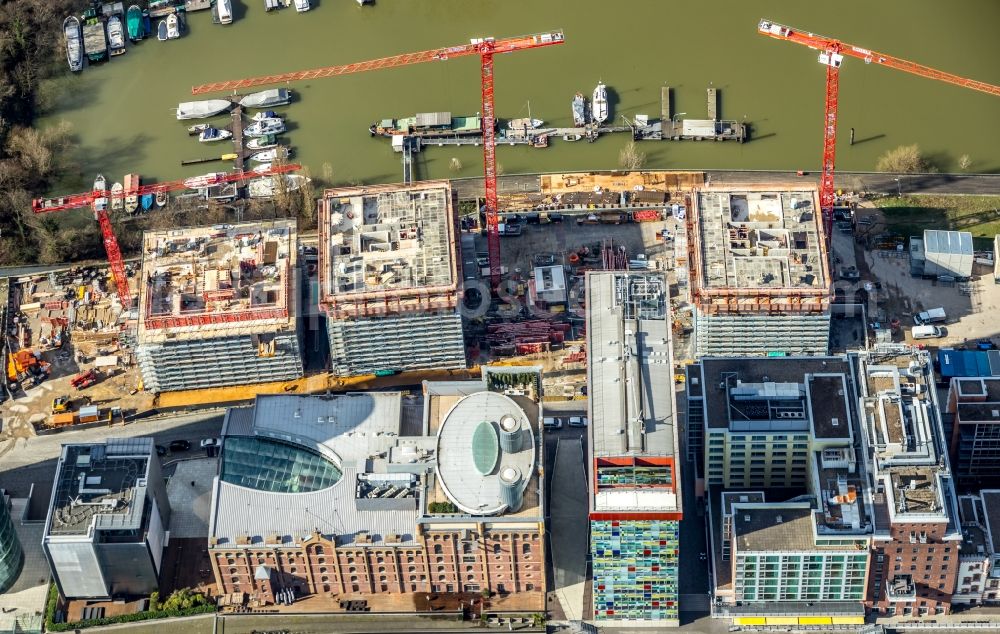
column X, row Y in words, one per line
column 635, row 569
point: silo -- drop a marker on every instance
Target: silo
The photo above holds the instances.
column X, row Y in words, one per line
column 510, row 488
column 510, row 434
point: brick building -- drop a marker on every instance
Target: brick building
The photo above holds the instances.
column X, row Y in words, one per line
column 360, row 495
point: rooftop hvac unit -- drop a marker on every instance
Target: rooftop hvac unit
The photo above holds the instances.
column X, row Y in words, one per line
column 510, row 488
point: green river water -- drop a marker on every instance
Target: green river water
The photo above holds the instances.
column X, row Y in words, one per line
column 122, row 110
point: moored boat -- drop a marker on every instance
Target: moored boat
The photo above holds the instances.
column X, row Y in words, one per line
column 599, row 106
column 161, row 31
column 262, row 142
column 267, row 126
column 579, row 109
column 266, row 114
column 117, row 197
column 161, row 197
column 147, row 201
column 173, row 28
column 267, row 98
column 116, row 35
column 524, row 124
column 131, row 193
column 201, row 109
column 134, row 23
column 211, row 135
column 302, row 6
column 95, row 40
column 224, row 10
column 100, row 194
column 74, row 45
column 268, row 156
column 205, row 180
column 198, row 128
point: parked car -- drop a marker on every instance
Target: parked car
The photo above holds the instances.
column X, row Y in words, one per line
column 577, row 421
column 551, row 423
column 179, row 445
column 211, row 443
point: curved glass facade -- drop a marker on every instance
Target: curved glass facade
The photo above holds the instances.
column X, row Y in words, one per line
column 11, row 555
column 271, row 465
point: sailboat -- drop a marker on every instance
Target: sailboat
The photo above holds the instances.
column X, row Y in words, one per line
column 526, row 123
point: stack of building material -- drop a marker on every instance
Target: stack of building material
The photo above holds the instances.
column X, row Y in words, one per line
column 525, row 337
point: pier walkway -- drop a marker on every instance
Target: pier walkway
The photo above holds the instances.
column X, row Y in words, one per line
column 237, row 130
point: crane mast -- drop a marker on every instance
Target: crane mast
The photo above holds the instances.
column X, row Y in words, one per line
column 486, row 48
column 831, row 54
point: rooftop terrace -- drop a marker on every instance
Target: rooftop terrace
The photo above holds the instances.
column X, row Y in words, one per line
column 759, row 251
column 213, row 281
column 388, row 248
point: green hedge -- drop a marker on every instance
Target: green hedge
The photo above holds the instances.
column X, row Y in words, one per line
column 52, row 626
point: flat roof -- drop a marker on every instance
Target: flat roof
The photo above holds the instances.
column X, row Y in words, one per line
column 473, row 467
column 760, row 242
column 722, row 375
column 991, row 516
column 975, row 540
column 630, row 379
column 953, row 242
column 100, row 487
column 770, row 529
column 201, row 282
column 388, row 248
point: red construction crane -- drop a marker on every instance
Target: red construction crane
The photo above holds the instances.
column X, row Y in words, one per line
column 486, row 48
column 98, row 199
column 831, row 54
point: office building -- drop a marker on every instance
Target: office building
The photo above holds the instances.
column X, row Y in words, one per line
column 759, row 273
column 975, row 555
column 917, row 535
column 379, row 497
column 219, row 306
column 974, row 404
column 388, row 278
column 635, row 496
column 106, row 525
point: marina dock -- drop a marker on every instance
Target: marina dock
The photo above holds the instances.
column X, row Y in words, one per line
column 237, row 129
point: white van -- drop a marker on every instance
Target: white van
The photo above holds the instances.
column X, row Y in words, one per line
column 927, row 332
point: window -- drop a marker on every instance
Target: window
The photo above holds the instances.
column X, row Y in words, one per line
column 438, row 550
column 528, row 587
column 526, row 550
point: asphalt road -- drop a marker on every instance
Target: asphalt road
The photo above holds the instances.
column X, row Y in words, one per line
column 33, row 461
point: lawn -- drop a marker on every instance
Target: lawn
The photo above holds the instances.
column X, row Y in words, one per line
column 910, row 215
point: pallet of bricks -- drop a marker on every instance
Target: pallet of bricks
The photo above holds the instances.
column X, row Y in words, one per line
column 525, row 337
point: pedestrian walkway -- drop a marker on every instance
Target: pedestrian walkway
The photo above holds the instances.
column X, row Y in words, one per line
column 568, row 520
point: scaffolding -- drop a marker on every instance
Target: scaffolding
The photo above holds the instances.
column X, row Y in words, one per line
column 388, row 278
column 759, row 272
column 218, row 306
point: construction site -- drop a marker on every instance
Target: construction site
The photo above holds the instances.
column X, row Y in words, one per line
column 759, row 272
column 388, row 265
column 219, row 306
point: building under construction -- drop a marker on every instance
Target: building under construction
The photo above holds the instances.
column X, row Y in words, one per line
column 388, row 278
column 218, row 306
column 759, row 272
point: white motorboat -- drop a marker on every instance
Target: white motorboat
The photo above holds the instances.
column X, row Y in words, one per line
column 302, row 5
column 271, row 185
column 268, row 156
column 173, row 27
column 267, row 98
column 224, row 9
column 599, row 106
column 211, row 135
column 267, row 126
column 205, row 180
column 201, row 109
column 579, row 109
column 198, row 128
column 100, row 194
column 266, row 114
column 117, row 197
column 263, row 168
column 524, row 124
column 116, row 36
column 74, row 43
column 262, row 142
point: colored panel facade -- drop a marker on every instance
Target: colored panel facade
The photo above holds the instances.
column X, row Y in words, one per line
column 807, row 576
column 635, row 569
column 11, row 555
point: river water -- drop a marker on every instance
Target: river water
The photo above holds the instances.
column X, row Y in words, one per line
column 122, row 110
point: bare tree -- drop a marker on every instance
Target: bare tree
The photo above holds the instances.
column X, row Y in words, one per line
column 455, row 165
column 964, row 162
column 631, row 157
column 905, row 159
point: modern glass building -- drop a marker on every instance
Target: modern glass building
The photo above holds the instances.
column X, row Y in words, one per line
column 11, row 555
column 635, row 504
